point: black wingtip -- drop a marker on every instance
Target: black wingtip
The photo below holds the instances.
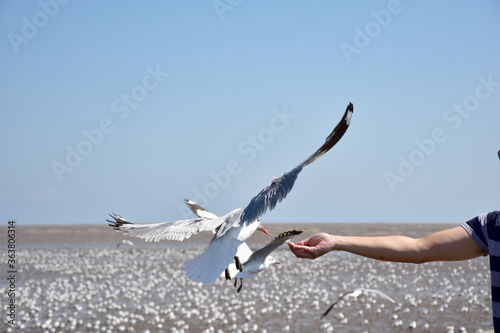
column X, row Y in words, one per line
column 117, row 222
column 335, row 136
column 289, row 234
column 328, row 310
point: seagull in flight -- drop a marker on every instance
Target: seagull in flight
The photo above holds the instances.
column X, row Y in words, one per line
column 247, row 262
column 125, row 241
column 233, row 228
column 356, row 293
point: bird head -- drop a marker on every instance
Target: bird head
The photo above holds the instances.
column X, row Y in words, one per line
column 271, row 261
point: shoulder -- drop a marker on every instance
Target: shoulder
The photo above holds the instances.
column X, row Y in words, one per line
column 493, row 216
column 490, row 219
column 483, row 228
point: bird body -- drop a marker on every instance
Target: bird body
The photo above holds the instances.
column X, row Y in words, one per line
column 259, row 262
column 208, row 266
column 252, row 262
column 250, row 267
column 249, row 263
column 261, row 259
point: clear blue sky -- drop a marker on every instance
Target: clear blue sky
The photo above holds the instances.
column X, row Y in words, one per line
column 130, row 107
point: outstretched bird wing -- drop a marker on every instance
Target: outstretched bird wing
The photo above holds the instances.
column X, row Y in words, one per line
column 274, row 244
column 378, row 292
column 280, row 187
column 333, row 304
column 173, row 230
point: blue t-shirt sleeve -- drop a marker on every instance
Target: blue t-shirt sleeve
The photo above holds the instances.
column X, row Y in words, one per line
column 484, row 229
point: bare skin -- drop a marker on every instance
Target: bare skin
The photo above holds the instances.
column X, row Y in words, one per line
column 447, row 245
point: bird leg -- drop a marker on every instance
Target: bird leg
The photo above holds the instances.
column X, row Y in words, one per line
column 238, row 264
column 228, row 276
column 241, row 285
column 235, row 282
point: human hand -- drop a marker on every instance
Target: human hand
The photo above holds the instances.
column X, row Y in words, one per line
column 313, row 247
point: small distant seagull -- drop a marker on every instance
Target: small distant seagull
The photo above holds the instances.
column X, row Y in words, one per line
column 233, row 228
column 125, row 241
column 248, row 263
column 498, row 154
column 356, row 293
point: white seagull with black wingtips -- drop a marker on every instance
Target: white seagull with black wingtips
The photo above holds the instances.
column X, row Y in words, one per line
column 233, row 228
column 247, row 262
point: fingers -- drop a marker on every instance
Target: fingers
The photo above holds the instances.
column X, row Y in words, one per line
column 313, row 240
column 313, row 247
column 304, row 242
column 301, row 251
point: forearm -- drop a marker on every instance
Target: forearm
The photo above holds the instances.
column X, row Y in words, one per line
column 388, row 248
column 447, row 245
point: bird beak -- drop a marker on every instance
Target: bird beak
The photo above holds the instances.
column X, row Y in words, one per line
column 261, row 228
column 277, row 262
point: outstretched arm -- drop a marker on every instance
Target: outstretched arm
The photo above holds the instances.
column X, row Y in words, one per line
column 446, row 245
